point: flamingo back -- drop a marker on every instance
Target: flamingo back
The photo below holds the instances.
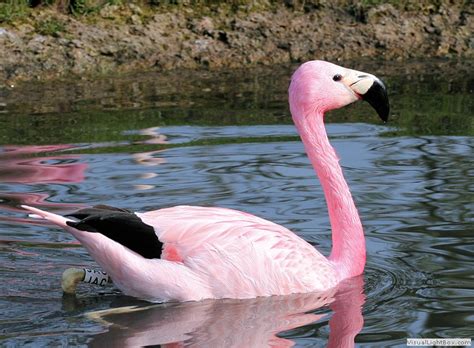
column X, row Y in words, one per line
column 239, row 255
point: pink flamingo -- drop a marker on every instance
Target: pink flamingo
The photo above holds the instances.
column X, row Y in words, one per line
column 190, row 253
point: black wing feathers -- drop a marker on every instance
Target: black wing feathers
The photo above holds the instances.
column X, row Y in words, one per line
column 97, row 209
column 120, row 225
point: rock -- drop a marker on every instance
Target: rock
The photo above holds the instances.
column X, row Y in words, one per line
column 109, row 50
column 135, row 19
column 135, row 9
column 380, row 13
column 77, row 43
column 109, row 11
column 203, row 26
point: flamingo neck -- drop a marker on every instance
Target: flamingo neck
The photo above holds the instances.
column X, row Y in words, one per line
column 348, row 243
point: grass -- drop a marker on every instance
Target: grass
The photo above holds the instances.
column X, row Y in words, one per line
column 51, row 27
column 11, row 10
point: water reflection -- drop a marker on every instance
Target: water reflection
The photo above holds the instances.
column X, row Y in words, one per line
column 25, row 165
column 427, row 98
column 259, row 322
column 154, row 136
column 150, row 158
column 19, row 164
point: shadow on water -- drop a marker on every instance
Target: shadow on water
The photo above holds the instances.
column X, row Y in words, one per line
column 226, row 139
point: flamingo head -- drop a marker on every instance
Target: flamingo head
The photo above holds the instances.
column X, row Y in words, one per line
column 318, row 86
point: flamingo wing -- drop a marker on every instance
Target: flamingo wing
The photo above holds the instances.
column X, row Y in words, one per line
column 239, row 254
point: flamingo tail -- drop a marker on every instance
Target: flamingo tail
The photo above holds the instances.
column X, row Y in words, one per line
column 59, row 220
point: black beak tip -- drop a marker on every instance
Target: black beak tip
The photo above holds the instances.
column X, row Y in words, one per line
column 378, row 98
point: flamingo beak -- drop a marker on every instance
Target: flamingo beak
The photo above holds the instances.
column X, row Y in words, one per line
column 371, row 89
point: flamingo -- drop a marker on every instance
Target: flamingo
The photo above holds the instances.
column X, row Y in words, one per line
column 191, row 253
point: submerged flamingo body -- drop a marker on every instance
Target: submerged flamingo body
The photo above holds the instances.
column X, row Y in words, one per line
column 223, row 253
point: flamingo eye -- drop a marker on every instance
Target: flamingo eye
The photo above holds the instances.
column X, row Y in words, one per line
column 337, row 77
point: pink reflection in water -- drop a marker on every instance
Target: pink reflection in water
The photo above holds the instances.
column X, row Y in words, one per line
column 25, row 165
column 150, row 158
column 155, row 136
column 235, row 323
column 18, row 166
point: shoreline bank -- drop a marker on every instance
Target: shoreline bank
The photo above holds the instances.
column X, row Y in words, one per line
column 48, row 44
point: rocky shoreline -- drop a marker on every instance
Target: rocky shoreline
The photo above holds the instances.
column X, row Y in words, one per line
column 123, row 38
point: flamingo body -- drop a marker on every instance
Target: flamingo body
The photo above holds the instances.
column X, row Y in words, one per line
column 223, row 253
column 238, row 254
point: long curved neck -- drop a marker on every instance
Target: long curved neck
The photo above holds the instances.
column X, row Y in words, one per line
column 348, row 243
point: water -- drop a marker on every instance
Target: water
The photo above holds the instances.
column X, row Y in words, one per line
column 225, row 139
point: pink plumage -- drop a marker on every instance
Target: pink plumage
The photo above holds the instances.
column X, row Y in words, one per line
column 223, row 253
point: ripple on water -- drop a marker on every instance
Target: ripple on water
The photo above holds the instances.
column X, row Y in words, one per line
column 413, row 194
